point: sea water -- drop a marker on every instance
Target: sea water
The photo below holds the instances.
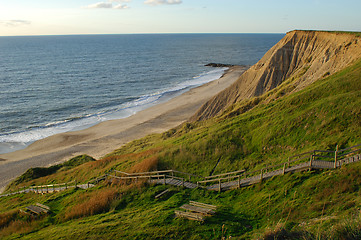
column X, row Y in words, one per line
column 54, row 84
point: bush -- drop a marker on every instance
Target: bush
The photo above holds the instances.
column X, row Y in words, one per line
column 280, row 232
column 11, row 222
column 6, row 218
column 98, row 202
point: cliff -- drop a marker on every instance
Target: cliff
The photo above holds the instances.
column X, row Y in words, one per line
column 305, row 56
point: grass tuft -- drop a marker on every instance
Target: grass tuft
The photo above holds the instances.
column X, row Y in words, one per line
column 94, row 203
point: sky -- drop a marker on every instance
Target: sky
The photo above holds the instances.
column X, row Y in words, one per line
column 63, row 17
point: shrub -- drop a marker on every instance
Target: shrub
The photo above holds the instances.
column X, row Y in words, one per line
column 280, row 232
column 18, row 227
column 98, row 202
column 7, row 218
column 11, row 222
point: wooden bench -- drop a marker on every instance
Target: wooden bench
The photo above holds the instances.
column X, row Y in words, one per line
column 38, row 209
column 203, row 205
column 43, row 206
column 190, row 215
column 196, row 211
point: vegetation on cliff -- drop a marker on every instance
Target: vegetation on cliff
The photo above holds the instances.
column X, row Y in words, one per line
column 249, row 134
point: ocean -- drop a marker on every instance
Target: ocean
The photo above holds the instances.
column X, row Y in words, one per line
column 55, row 84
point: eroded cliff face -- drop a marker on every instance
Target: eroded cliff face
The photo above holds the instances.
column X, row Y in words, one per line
column 305, row 56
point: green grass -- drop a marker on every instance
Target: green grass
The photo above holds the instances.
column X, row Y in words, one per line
column 324, row 115
column 250, row 135
column 318, row 203
column 34, row 173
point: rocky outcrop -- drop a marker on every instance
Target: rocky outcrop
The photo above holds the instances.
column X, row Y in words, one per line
column 218, row 65
column 304, row 55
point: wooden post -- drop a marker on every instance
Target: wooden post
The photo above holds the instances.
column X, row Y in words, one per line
column 164, row 180
column 261, row 174
column 53, row 188
column 284, row 169
column 311, row 160
column 335, row 165
column 239, row 181
column 88, row 184
column 220, row 186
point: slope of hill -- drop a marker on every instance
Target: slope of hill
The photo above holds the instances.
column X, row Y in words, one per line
column 305, row 55
column 250, row 134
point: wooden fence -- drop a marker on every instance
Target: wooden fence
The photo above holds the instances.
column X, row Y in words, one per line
column 316, row 159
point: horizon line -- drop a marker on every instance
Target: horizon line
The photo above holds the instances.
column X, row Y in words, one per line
column 170, row 33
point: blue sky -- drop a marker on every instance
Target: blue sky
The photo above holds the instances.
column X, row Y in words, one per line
column 53, row 17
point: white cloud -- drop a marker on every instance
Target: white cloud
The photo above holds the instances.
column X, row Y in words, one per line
column 109, row 5
column 15, row 23
column 162, row 2
column 120, row 6
column 101, row 5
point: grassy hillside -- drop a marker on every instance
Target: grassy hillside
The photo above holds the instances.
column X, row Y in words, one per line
column 250, row 135
column 278, row 125
column 311, row 205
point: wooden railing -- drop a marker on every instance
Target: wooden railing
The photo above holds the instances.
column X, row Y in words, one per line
column 163, row 173
column 44, row 188
column 309, row 160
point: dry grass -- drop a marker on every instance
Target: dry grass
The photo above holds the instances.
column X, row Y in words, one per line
column 104, row 162
column 95, row 203
column 148, row 164
column 18, row 227
column 7, row 218
column 10, row 223
column 280, row 232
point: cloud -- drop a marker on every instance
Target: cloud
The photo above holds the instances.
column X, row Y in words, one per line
column 162, row 2
column 15, row 23
column 120, row 6
column 109, row 5
column 101, row 5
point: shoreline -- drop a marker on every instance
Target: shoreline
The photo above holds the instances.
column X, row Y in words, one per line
column 105, row 137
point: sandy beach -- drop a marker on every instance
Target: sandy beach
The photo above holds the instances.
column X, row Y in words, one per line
column 105, row 137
